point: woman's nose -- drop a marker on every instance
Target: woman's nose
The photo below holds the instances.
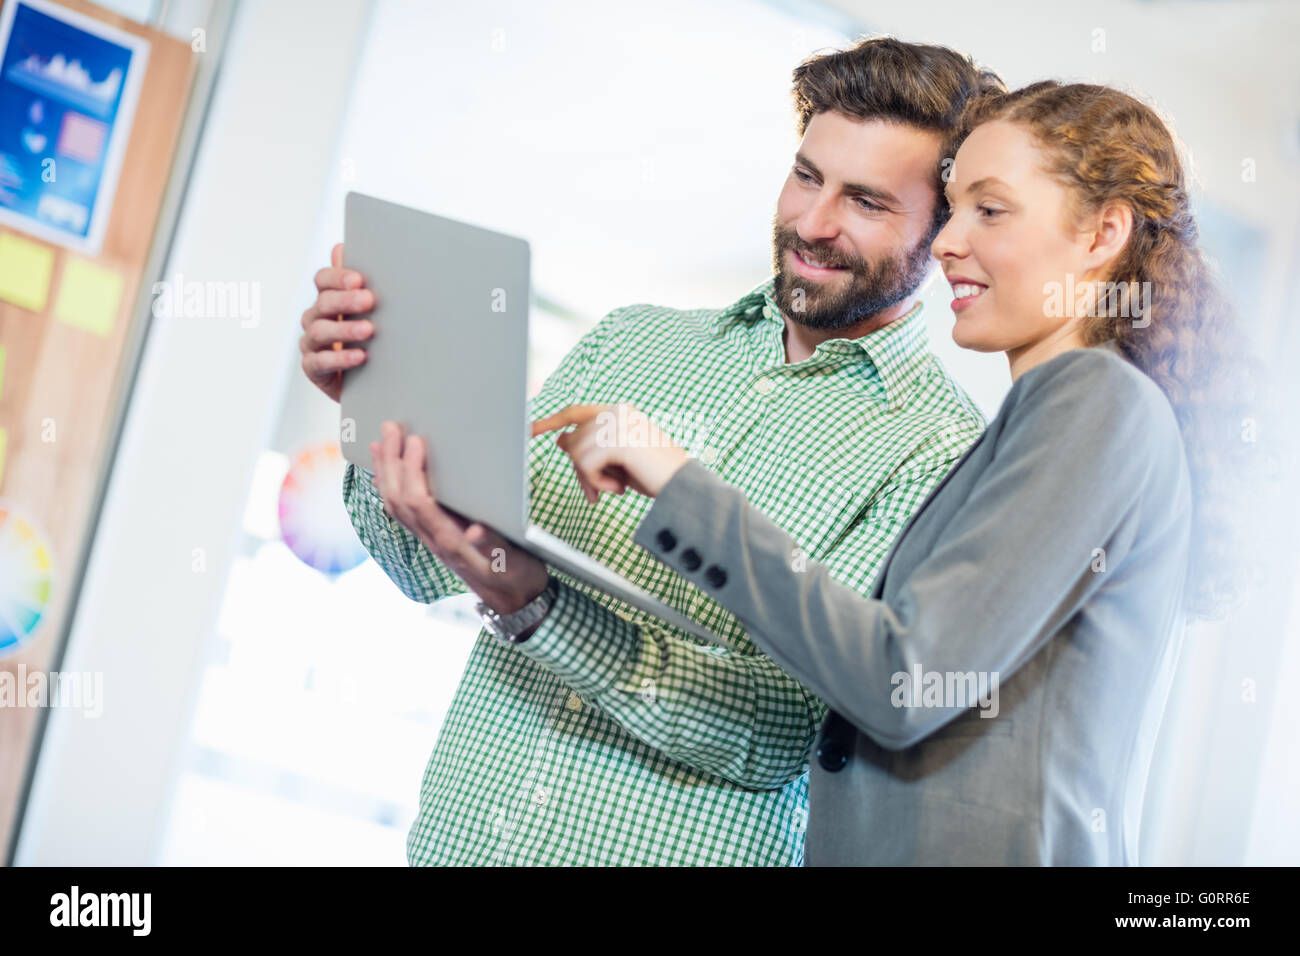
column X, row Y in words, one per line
column 949, row 243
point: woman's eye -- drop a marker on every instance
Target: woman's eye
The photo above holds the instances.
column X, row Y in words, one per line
column 988, row 212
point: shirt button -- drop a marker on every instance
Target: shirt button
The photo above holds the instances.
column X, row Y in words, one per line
column 764, row 386
column 540, row 796
column 574, row 702
column 709, row 456
column 767, row 311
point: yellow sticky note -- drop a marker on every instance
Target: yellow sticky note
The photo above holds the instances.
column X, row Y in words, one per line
column 25, row 268
column 4, row 439
column 89, row 296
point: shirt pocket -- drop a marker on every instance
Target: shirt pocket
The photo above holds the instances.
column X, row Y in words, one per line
column 814, row 505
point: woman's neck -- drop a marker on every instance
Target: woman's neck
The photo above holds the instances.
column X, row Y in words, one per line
column 1024, row 357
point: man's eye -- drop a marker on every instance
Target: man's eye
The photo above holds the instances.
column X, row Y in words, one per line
column 802, row 176
column 868, row 204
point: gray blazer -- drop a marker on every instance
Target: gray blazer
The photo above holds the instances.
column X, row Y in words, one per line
column 1039, row 584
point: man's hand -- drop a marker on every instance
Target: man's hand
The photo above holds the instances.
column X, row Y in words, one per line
column 504, row 576
column 605, row 454
column 325, row 338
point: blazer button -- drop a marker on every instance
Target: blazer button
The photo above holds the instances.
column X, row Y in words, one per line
column 691, row 559
column 832, row 756
column 667, row 540
column 836, row 743
column 715, row 575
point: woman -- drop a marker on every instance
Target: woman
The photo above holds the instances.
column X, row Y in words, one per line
column 996, row 700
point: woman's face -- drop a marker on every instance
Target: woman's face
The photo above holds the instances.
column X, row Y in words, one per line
column 1009, row 244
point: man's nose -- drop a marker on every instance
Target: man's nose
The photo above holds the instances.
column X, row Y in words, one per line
column 819, row 222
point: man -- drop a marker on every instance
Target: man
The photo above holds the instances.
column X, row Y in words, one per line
column 589, row 732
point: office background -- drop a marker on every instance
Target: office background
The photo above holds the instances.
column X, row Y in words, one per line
column 259, row 711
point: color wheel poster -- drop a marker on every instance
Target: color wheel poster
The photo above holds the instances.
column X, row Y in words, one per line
column 68, row 91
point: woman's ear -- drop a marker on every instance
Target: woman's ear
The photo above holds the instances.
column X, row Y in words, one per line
column 1110, row 234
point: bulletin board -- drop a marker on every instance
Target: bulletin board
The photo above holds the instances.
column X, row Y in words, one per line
column 69, row 289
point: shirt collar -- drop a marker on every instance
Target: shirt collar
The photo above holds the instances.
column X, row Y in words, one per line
column 893, row 351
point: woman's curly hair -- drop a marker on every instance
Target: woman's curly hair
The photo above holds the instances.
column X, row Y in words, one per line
column 1106, row 146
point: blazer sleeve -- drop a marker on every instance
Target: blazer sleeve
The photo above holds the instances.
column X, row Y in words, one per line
column 1012, row 565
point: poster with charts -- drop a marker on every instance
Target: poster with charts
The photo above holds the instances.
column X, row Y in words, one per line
column 68, row 91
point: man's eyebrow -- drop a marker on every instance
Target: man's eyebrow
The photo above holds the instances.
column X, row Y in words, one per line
column 880, row 195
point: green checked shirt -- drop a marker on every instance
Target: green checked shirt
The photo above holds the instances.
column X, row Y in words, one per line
column 609, row 737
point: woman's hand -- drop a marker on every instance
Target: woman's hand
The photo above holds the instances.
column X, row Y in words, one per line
column 503, row 576
column 615, row 447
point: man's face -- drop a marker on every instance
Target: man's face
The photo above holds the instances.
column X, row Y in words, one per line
column 851, row 234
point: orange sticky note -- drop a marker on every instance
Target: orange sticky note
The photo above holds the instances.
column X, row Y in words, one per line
column 89, row 296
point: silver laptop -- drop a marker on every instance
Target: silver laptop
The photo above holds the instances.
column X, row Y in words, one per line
column 448, row 360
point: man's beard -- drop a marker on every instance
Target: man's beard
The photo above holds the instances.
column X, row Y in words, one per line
column 872, row 287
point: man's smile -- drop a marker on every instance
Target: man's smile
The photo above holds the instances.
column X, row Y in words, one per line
column 812, row 268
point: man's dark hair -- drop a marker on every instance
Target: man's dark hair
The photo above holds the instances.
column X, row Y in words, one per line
column 916, row 84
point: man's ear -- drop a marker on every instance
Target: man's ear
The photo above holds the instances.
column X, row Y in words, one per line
column 1110, row 234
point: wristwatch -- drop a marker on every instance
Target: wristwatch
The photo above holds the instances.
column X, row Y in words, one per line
column 510, row 626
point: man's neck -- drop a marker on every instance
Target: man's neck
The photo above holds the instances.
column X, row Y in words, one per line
column 801, row 341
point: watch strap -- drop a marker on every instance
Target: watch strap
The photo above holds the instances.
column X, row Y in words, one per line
column 511, row 626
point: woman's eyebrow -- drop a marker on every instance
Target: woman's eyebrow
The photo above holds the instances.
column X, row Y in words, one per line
column 978, row 184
